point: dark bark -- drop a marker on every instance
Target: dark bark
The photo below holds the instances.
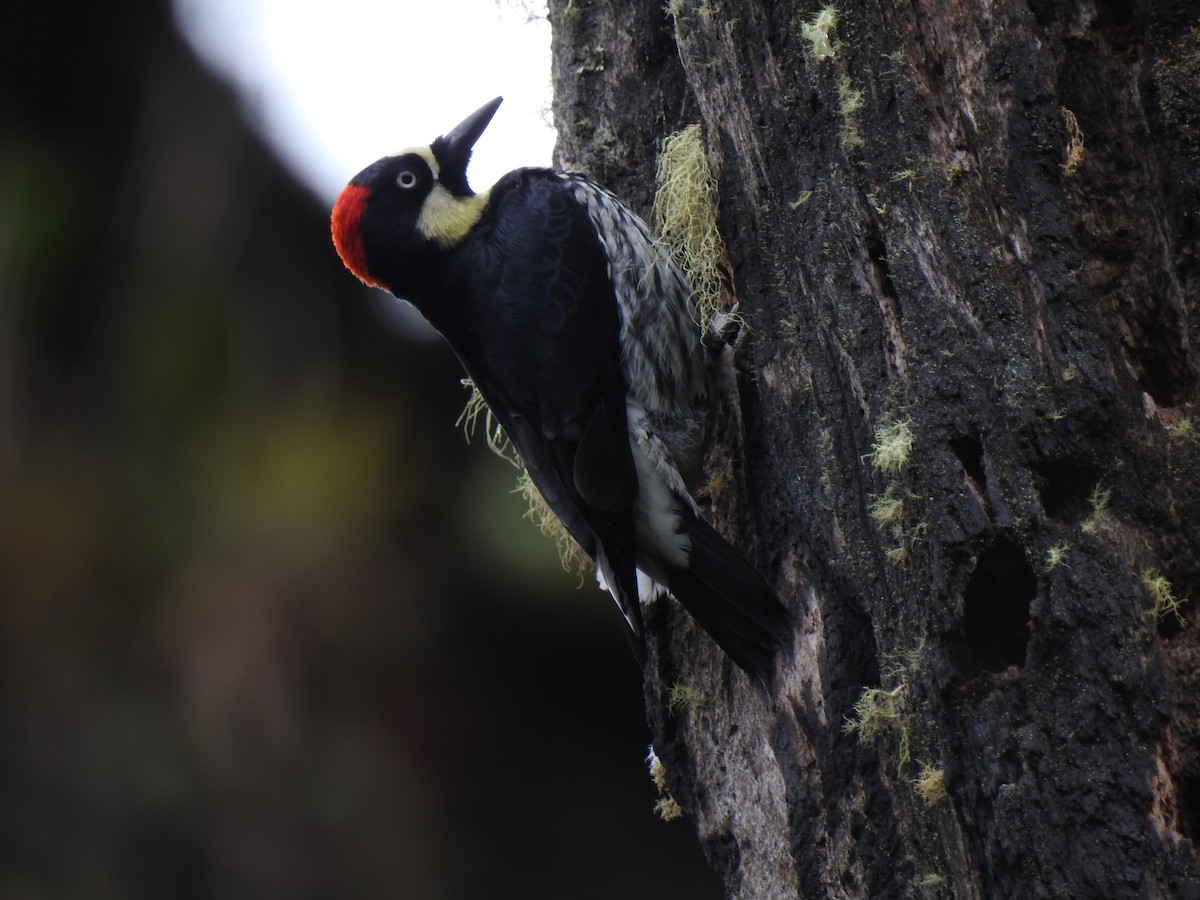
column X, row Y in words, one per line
column 946, row 258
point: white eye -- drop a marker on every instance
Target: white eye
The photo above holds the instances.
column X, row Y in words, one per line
column 406, row 179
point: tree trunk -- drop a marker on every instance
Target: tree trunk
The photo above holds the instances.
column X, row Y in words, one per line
column 965, row 239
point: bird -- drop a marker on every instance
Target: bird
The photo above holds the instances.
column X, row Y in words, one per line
column 581, row 333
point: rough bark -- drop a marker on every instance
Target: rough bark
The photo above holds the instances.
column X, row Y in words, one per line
column 955, row 256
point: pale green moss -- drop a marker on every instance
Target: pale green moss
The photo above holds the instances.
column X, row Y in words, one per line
column 876, row 713
column 1075, row 149
column 850, row 103
column 1098, row 500
column 572, row 555
column 930, row 784
column 892, row 447
column 1181, row 427
column 685, row 214
column 888, row 512
column 468, row 420
column 1165, row 601
column 658, row 772
column 684, row 695
column 666, row 807
column 1057, row 555
column 818, row 31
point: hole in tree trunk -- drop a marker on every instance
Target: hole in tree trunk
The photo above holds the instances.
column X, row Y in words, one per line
column 1189, row 808
column 1064, row 487
column 1162, row 371
column 996, row 604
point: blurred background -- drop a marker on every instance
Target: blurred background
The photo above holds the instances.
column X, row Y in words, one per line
column 269, row 627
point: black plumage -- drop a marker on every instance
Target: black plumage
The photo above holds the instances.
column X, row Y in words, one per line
column 577, row 330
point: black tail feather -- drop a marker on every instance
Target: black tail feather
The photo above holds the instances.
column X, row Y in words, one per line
column 732, row 602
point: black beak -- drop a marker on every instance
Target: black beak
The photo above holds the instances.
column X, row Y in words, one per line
column 453, row 150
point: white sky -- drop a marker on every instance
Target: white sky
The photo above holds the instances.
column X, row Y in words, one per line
column 336, row 84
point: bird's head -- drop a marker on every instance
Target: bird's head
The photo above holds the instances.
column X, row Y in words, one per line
column 404, row 205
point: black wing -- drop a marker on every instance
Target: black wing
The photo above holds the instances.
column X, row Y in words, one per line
column 546, row 357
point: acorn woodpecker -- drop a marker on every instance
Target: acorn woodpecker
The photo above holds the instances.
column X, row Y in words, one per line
column 580, row 333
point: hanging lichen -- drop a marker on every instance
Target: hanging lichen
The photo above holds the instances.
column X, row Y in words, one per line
column 685, row 215
column 468, row 420
column 572, row 556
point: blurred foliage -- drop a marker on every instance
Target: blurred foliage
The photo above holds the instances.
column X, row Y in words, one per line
column 268, row 628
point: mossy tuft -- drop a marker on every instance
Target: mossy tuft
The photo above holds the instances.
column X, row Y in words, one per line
column 572, row 555
column 930, row 784
column 877, row 712
column 1165, row 600
column 685, row 214
column 666, row 807
column 684, row 695
column 1075, row 149
column 892, row 447
column 818, row 31
column 1057, row 555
